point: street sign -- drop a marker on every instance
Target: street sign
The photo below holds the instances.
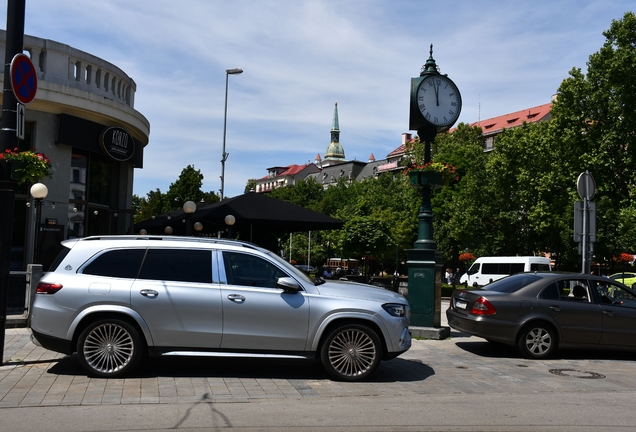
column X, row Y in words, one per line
column 586, row 185
column 20, row 121
column 579, row 229
column 24, row 79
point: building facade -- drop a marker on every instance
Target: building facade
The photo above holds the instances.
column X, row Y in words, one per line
column 83, row 119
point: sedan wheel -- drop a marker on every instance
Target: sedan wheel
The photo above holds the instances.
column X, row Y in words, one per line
column 537, row 341
column 351, row 352
column 109, row 348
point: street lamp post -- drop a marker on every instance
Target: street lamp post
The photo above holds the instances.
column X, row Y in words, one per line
column 228, row 72
column 230, row 220
column 39, row 191
column 189, row 207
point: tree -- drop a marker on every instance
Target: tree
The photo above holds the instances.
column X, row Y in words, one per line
column 459, row 216
column 250, row 186
column 152, row 205
column 186, row 188
column 592, row 128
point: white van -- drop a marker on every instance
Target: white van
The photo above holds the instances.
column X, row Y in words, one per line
column 488, row 269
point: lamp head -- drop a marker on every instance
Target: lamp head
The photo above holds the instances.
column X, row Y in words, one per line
column 230, row 220
column 189, row 207
column 39, row 191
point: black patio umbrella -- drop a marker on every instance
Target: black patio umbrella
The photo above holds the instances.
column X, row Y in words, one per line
column 251, row 211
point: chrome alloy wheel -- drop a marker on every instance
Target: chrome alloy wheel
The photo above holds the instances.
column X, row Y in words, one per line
column 352, row 352
column 537, row 341
column 108, row 348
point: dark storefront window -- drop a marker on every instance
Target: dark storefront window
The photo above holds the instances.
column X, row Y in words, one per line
column 94, row 196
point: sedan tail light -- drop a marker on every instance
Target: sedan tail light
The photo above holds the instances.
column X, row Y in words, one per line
column 48, row 288
column 483, row 307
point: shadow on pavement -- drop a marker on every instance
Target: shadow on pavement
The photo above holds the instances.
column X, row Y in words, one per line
column 395, row 370
column 484, row 348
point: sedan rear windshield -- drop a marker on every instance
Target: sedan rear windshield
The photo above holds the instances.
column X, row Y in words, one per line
column 513, row 283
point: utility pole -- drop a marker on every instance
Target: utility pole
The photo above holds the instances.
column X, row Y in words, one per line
column 8, row 140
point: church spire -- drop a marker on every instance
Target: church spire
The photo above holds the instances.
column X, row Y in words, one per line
column 334, row 123
column 335, row 152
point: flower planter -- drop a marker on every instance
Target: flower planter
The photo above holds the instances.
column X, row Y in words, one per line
column 16, row 169
column 422, row 178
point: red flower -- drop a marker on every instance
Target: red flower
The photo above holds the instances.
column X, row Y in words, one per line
column 467, row 256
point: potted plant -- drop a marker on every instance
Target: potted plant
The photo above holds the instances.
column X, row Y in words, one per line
column 28, row 165
column 421, row 171
column 431, row 173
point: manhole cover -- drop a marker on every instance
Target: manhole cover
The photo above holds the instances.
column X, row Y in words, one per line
column 574, row 373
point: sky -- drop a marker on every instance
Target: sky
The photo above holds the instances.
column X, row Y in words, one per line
column 300, row 57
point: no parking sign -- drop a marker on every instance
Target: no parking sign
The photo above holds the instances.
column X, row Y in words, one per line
column 24, row 80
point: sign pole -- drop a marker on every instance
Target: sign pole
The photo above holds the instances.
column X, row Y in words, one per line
column 8, row 140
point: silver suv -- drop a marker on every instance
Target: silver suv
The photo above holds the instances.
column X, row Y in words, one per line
column 112, row 298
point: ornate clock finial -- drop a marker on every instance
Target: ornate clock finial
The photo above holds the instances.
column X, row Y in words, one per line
column 430, row 66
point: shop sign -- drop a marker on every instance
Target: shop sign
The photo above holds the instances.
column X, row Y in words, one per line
column 117, row 143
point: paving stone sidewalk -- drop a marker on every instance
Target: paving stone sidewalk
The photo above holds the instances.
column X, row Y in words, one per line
column 33, row 376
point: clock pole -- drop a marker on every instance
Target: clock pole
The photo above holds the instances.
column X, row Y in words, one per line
column 433, row 109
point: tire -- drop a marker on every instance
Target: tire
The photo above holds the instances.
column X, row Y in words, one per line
column 109, row 348
column 351, row 352
column 537, row 341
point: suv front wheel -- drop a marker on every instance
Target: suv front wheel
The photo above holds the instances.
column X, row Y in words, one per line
column 351, row 352
column 109, row 348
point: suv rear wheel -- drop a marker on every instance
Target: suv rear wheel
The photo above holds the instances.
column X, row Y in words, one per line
column 109, row 348
column 351, row 352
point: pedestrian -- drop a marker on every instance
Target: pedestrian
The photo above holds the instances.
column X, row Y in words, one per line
column 327, row 274
column 448, row 276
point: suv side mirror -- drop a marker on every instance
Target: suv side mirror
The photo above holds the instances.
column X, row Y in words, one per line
column 288, row 284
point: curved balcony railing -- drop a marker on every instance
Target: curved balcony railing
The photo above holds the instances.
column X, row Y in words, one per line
column 62, row 64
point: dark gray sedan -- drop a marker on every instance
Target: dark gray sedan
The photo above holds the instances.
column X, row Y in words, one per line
column 541, row 312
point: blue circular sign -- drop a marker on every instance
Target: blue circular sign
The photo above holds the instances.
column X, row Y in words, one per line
column 24, row 80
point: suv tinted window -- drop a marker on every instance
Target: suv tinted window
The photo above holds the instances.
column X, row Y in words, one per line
column 120, row 263
column 182, row 265
column 249, row 270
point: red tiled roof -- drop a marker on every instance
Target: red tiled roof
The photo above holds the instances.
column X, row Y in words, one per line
column 397, row 151
column 528, row 115
column 294, row 169
column 496, row 124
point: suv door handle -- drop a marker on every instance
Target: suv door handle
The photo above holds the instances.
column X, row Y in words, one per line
column 149, row 293
column 236, row 298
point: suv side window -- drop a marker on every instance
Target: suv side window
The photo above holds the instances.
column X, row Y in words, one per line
column 180, row 265
column 250, row 270
column 119, row 263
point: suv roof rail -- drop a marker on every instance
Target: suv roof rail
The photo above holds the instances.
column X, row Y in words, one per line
column 171, row 238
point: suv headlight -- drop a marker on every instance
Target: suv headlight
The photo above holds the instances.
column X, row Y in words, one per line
column 395, row 309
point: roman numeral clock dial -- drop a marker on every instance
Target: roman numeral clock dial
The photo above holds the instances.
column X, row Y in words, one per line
column 438, row 100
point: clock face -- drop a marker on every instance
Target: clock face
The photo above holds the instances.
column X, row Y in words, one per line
column 439, row 100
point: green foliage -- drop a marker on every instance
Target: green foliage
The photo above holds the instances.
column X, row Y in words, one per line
column 186, row 188
column 250, row 186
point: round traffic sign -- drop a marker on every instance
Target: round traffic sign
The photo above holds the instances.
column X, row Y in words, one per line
column 24, row 80
column 586, row 185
